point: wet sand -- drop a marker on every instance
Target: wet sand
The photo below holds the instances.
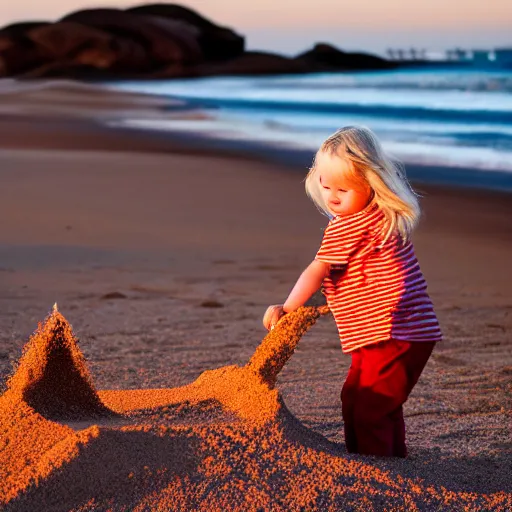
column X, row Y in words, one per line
column 164, row 260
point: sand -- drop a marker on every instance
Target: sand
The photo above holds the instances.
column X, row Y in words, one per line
column 164, row 260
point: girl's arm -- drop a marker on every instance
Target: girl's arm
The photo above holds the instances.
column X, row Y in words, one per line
column 308, row 283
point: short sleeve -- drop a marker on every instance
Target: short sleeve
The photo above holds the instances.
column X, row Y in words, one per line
column 339, row 243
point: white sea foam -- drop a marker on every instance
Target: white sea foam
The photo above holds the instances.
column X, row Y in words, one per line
column 449, row 118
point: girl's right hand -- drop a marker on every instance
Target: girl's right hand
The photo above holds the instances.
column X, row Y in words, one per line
column 272, row 315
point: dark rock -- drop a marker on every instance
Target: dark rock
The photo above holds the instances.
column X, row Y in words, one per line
column 217, row 43
column 211, row 304
column 6, row 41
column 185, row 35
column 130, row 55
column 175, row 70
column 153, row 37
column 114, row 295
column 252, row 63
column 77, row 45
column 65, row 70
column 152, row 41
column 67, row 40
column 17, row 53
column 20, row 29
column 327, row 57
column 17, row 56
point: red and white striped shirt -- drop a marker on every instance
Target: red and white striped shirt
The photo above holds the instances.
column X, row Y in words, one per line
column 375, row 293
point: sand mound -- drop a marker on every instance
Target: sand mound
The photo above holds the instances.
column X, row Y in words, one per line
column 224, row 442
column 248, row 392
column 52, row 376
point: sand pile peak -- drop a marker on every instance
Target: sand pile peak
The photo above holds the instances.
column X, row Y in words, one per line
column 52, row 376
column 279, row 344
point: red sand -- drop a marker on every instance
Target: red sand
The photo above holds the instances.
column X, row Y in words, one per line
column 224, row 442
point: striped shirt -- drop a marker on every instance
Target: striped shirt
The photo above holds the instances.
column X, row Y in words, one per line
column 375, row 293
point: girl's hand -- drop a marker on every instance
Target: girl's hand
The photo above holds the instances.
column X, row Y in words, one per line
column 272, row 315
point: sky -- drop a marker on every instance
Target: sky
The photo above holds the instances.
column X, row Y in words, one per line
column 366, row 25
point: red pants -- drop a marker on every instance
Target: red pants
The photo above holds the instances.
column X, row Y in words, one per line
column 379, row 381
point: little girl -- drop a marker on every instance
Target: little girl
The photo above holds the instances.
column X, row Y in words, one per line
column 373, row 285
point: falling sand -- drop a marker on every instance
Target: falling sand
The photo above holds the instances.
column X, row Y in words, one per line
column 224, row 442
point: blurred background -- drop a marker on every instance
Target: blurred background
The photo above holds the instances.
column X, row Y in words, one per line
column 433, row 81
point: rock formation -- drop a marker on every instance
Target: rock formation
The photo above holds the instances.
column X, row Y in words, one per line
column 151, row 41
column 324, row 56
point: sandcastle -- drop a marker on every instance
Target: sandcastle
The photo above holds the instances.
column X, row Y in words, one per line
column 66, row 446
column 53, row 379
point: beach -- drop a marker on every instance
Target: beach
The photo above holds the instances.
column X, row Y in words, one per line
column 163, row 255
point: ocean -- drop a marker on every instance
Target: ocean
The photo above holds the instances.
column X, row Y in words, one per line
column 432, row 117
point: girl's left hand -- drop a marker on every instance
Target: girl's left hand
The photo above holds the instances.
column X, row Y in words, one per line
column 272, row 315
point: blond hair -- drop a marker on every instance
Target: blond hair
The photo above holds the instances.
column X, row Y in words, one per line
column 374, row 168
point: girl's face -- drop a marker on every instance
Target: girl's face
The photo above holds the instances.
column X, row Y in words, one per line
column 341, row 193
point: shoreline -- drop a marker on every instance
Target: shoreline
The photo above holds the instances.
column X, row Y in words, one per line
column 83, row 134
column 74, row 115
